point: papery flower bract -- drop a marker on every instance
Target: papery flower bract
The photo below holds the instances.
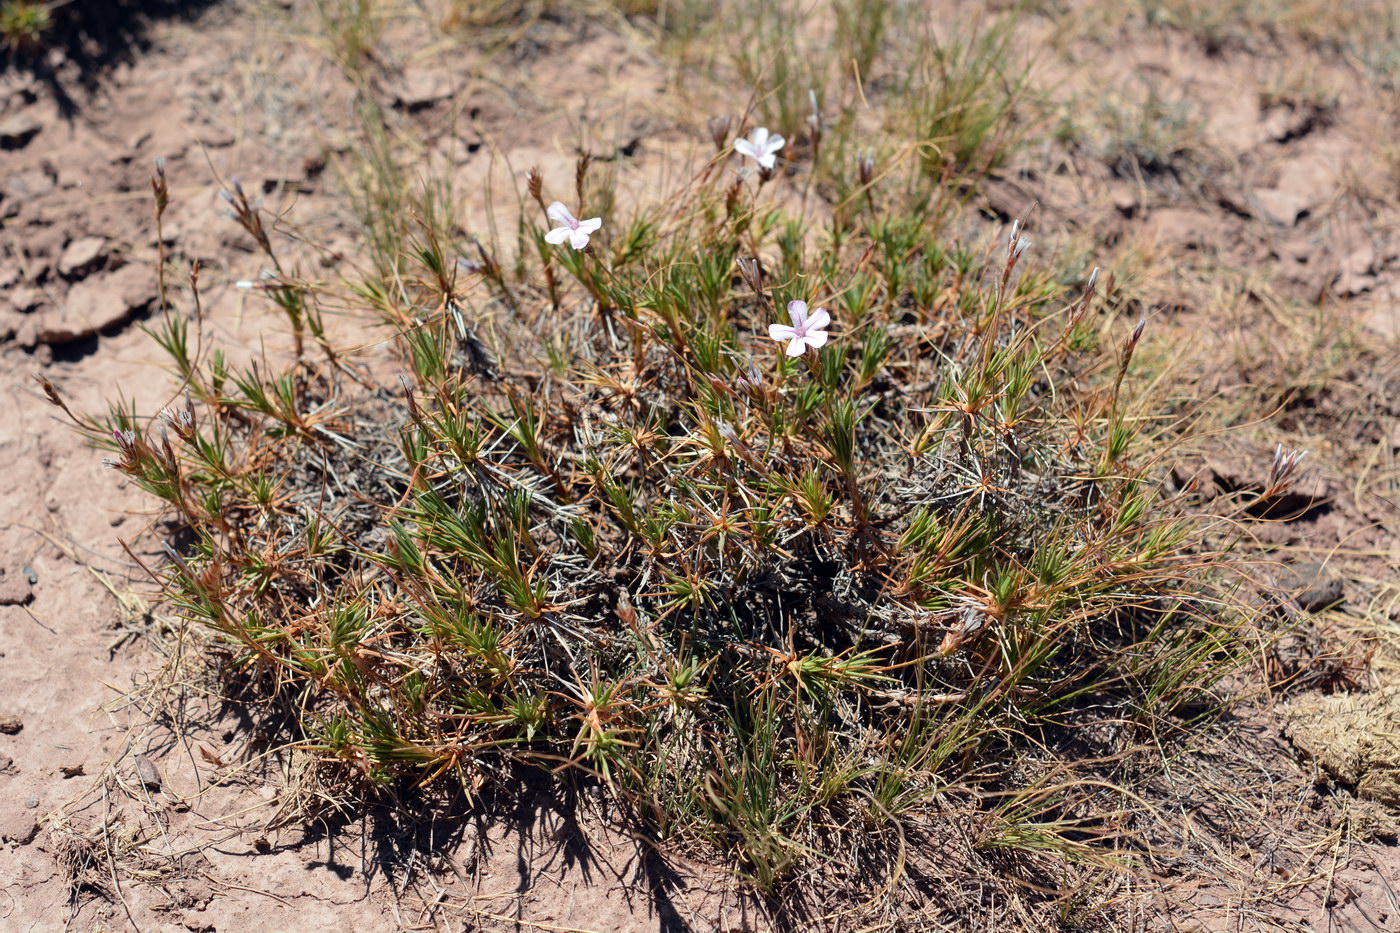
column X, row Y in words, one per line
column 805, row 331
column 570, row 227
column 749, row 379
column 865, row 165
column 719, row 130
column 1281, row 472
column 751, row 272
column 761, row 146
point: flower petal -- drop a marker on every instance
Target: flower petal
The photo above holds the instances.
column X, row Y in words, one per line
column 797, row 347
column 819, row 319
column 591, row 225
column 774, row 143
column 759, row 136
column 578, row 239
column 558, row 213
column 797, row 310
column 816, row 339
column 767, row 160
column 744, row 147
column 781, row 332
column 557, row 235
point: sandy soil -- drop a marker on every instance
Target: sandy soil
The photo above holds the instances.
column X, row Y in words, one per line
column 1297, row 203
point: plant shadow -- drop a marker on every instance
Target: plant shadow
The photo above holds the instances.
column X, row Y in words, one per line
column 88, row 38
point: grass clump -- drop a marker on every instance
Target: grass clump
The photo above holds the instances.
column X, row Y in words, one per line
column 603, row 524
column 24, row 25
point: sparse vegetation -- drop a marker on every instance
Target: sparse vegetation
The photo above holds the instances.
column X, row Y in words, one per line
column 605, row 524
column 808, row 610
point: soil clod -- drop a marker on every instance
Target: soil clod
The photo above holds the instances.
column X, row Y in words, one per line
column 1355, row 737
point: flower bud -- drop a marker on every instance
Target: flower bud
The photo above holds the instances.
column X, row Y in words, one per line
column 720, row 127
column 1282, row 470
column 866, row 165
column 814, row 119
column 751, row 272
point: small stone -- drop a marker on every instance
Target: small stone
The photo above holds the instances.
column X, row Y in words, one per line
column 1125, row 200
column 1278, row 122
column 1186, row 228
column 25, row 299
column 215, row 137
column 99, row 302
column 1311, row 585
column 14, row 590
column 18, row 130
column 1358, row 271
column 11, row 725
column 148, row 773
column 1286, row 122
column 74, row 770
column 82, row 256
column 27, row 333
column 1284, row 207
column 22, row 186
column 19, row 827
column 421, row 87
column 7, row 765
column 31, row 803
column 1349, row 286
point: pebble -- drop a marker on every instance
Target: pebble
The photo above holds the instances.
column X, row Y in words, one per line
column 82, row 256
column 99, row 302
column 25, row 298
column 18, row 130
column 14, row 589
column 19, row 827
column 147, row 772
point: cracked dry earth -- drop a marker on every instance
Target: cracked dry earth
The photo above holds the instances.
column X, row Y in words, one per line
column 111, row 821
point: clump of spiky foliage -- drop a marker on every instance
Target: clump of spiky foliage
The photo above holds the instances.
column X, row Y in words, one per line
column 24, row 24
column 605, row 523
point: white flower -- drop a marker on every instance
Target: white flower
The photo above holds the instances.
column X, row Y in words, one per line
column 805, row 331
column 760, row 146
column 570, row 227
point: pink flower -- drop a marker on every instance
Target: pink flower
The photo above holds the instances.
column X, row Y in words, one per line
column 761, row 146
column 570, row 227
column 805, row 331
